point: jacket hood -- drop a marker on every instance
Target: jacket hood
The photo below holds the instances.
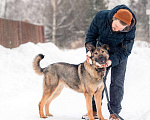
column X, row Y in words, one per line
column 115, row 9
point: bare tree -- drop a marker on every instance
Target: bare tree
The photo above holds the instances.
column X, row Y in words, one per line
column 65, row 21
column 3, row 8
column 54, row 3
column 31, row 11
column 139, row 9
column 58, row 16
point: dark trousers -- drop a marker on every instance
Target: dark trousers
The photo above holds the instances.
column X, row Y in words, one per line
column 116, row 87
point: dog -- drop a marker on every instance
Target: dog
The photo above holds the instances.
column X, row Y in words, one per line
column 84, row 78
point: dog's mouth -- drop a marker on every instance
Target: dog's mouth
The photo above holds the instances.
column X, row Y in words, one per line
column 101, row 60
column 98, row 65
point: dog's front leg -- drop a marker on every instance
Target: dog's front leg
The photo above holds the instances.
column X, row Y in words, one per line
column 88, row 98
column 98, row 98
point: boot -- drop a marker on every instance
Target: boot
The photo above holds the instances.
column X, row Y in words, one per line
column 113, row 117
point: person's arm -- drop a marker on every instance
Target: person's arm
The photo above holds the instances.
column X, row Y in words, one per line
column 122, row 54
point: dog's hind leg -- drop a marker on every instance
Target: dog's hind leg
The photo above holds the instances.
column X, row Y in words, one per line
column 47, row 93
column 47, row 107
column 55, row 94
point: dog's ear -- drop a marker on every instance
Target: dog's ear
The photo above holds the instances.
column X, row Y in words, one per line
column 105, row 46
column 89, row 47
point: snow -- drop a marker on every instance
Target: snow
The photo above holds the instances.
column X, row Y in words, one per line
column 113, row 3
column 21, row 87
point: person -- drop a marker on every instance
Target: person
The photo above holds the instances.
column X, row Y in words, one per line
column 115, row 28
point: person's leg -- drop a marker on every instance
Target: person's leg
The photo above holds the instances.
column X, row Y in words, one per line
column 93, row 104
column 117, row 86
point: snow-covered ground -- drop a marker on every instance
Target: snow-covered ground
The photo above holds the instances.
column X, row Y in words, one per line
column 21, row 87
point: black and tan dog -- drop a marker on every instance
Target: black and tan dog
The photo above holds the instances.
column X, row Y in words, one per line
column 84, row 78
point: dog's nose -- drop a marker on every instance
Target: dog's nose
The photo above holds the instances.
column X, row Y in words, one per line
column 100, row 57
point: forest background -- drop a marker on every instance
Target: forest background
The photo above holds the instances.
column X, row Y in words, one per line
column 66, row 21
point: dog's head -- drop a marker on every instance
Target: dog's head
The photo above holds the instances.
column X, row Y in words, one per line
column 98, row 54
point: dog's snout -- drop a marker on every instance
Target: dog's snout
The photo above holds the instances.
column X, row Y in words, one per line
column 100, row 57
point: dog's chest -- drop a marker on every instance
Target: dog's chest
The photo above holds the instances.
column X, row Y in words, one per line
column 94, row 86
column 97, row 86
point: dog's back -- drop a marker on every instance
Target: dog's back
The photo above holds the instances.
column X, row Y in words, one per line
column 64, row 72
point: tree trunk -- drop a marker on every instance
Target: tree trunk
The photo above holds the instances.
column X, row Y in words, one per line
column 54, row 22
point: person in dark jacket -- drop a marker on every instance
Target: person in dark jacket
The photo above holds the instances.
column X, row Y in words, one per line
column 116, row 28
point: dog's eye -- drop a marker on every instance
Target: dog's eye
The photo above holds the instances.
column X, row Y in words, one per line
column 96, row 53
column 102, row 51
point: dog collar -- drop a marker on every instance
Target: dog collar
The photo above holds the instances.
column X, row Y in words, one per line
column 88, row 57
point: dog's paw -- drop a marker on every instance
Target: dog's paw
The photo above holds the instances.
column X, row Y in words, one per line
column 43, row 116
column 48, row 114
column 103, row 119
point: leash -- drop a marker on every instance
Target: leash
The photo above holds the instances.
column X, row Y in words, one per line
column 107, row 97
column 108, row 102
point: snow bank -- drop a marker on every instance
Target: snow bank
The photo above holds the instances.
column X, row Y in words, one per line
column 21, row 88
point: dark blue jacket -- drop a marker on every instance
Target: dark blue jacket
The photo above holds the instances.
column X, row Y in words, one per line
column 120, row 43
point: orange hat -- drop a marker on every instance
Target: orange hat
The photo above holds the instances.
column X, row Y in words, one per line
column 124, row 15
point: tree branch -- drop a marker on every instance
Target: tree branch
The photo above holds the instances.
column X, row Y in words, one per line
column 64, row 18
column 58, row 2
column 63, row 26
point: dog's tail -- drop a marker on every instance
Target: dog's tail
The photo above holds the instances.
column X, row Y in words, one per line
column 36, row 64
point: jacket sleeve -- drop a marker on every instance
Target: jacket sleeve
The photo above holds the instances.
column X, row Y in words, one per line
column 92, row 33
column 123, row 53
